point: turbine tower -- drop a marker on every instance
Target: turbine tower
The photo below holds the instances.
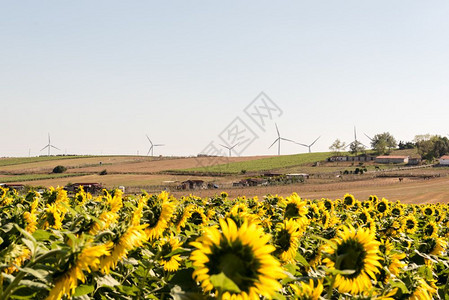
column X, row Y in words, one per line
column 278, row 140
column 310, row 146
column 229, row 148
column 152, row 146
column 49, row 146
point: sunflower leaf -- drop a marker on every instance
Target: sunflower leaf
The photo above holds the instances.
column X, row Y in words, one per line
column 224, row 284
column 400, row 285
column 83, row 290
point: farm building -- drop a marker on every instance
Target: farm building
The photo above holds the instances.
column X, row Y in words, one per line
column 351, row 158
column 88, row 187
column 297, row 175
column 444, row 160
column 414, row 161
column 192, row 185
column 392, row 159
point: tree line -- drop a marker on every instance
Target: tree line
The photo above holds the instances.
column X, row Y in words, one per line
column 429, row 146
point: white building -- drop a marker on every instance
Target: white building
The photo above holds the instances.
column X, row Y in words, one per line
column 444, row 160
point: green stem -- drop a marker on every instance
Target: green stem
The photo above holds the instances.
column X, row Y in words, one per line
column 330, row 289
column 5, row 295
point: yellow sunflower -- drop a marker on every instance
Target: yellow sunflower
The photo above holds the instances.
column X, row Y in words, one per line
column 382, row 207
column 307, row 291
column 357, row 250
column 427, row 210
column 87, row 260
column 30, row 216
column 423, row 291
column 286, row 240
column 170, row 262
column 242, row 255
column 430, row 229
column 410, row 224
column 158, row 216
column 54, row 216
column 133, row 237
column 22, row 255
column 432, row 245
column 296, row 209
column 348, row 200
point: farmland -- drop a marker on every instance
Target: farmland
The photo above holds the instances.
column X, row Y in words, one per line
column 156, row 173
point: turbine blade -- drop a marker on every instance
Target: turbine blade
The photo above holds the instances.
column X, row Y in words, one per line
column 302, row 144
column 55, row 147
column 368, row 137
column 149, row 152
column 315, row 141
column 45, row 147
column 273, row 143
column 277, row 129
column 155, row 145
column 149, row 140
column 287, row 140
column 235, row 146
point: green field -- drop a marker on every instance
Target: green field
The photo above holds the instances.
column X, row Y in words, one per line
column 264, row 164
column 32, row 177
column 26, row 160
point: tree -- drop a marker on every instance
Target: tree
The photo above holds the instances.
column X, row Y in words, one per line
column 59, row 169
column 406, row 145
column 337, row 146
column 383, row 143
column 356, row 147
column 431, row 146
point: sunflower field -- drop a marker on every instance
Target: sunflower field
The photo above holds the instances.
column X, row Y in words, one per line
column 55, row 246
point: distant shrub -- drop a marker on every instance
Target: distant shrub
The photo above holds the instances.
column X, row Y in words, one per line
column 59, row 169
column 243, row 171
column 104, row 172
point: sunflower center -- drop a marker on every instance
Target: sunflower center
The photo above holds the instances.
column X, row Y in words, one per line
column 153, row 216
column 363, row 217
column 428, row 211
column 196, row 218
column 381, row 207
column 410, row 224
column 396, row 211
column 349, row 201
column 428, row 230
column 350, row 256
column 166, row 249
column 237, row 262
column 291, row 211
column 283, row 240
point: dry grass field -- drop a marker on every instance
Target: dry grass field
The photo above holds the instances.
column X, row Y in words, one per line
column 407, row 191
column 139, row 172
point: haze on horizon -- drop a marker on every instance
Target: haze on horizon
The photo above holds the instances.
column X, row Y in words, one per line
column 99, row 76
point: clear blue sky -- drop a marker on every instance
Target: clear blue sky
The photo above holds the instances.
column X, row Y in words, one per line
column 99, row 75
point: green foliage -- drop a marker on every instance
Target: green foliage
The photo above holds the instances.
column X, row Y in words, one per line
column 337, row 146
column 383, row 143
column 431, row 147
column 59, row 169
column 356, row 147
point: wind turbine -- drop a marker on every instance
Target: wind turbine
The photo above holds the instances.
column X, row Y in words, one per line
column 310, row 146
column 49, row 146
column 152, row 146
column 278, row 140
column 229, row 148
